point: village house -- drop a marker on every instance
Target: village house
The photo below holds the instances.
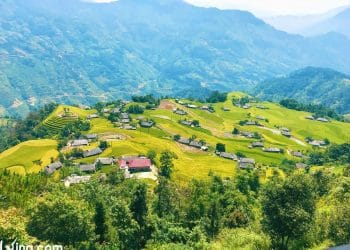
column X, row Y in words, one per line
column 128, row 127
column 91, row 136
column 259, row 117
column 247, row 134
column 75, row 179
column 229, row 156
column 246, row 106
column 272, row 150
column 180, row 112
column 317, row 143
column 92, row 152
column 105, row 161
column 226, row 109
column 184, row 141
column 192, row 106
column 309, row 117
column 297, row 154
column 106, row 110
column 146, row 124
column 196, row 144
column 205, row 107
column 53, row 167
column 301, row 165
column 321, row 119
column 124, row 116
column 92, row 116
column 135, row 163
column 78, row 143
column 257, row 144
column 125, row 120
column 87, row 167
column 186, row 123
column 116, row 111
column 286, row 133
column 261, row 107
column 246, row 163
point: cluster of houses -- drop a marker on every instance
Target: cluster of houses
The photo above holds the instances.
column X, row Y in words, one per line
column 189, row 123
column 243, row 106
column 193, row 143
column 286, row 132
column 210, row 109
column 243, row 163
column 320, row 119
column 251, row 123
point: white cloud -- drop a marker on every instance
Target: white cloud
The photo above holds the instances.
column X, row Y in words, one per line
column 275, row 7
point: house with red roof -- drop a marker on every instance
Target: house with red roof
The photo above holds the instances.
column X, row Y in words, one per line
column 135, row 163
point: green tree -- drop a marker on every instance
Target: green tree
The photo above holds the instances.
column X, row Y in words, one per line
column 288, row 209
column 62, row 221
column 220, row 147
column 163, row 204
column 166, row 163
column 102, row 228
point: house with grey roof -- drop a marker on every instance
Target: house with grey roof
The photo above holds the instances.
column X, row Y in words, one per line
column 146, row 124
column 257, row 144
column 184, row 141
column 229, row 156
column 272, row 150
column 105, row 161
column 79, row 143
column 246, row 163
column 180, row 112
column 75, row 179
column 53, row 167
column 321, row 119
column 92, row 152
column 301, row 165
column 91, row 136
column 87, row 167
column 196, row 144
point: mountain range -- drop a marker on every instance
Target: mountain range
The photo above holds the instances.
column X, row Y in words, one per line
column 336, row 20
column 310, row 85
column 70, row 51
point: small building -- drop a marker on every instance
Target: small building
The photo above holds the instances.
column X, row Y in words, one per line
column 53, row 167
column 204, row 148
column 257, row 144
column 91, row 136
column 246, row 106
column 124, row 116
column 92, row 152
column 316, row 143
column 184, row 141
column 226, row 109
column 321, row 119
column 229, row 156
column 128, row 127
column 192, row 106
column 246, row 163
column 259, row 117
column 115, row 111
column 146, row 124
column 301, row 165
column 180, row 112
column 310, row 117
column 92, row 116
column 186, row 123
column 205, row 107
column 272, row 150
column 106, row 110
column 135, row 164
column 286, row 133
column 196, row 144
column 297, row 154
column 79, row 143
column 125, row 120
column 247, row 134
column 261, row 107
column 75, row 179
column 87, row 167
column 105, row 161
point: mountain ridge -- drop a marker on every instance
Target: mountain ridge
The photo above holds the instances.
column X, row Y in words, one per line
column 83, row 52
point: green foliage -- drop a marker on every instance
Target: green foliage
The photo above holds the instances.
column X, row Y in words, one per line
column 166, row 164
column 135, row 109
column 51, row 216
column 220, row 147
column 288, row 209
column 216, row 97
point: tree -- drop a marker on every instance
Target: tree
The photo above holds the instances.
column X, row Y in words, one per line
column 163, row 205
column 135, row 109
column 235, row 131
column 288, row 209
column 166, row 164
column 213, row 224
column 177, row 137
column 49, row 217
column 101, row 223
column 103, row 145
column 152, row 155
column 220, row 147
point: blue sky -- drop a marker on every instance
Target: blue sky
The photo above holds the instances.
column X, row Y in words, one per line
column 270, row 7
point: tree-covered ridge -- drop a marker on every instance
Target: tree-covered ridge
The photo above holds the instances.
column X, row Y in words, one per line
column 73, row 51
column 318, row 86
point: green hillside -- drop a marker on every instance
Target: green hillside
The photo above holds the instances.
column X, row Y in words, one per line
column 71, row 51
column 310, row 85
column 214, row 128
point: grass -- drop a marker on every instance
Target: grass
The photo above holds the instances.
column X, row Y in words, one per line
column 215, row 128
column 24, row 158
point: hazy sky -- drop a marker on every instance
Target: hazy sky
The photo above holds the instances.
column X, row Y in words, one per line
column 270, row 7
column 275, row 7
